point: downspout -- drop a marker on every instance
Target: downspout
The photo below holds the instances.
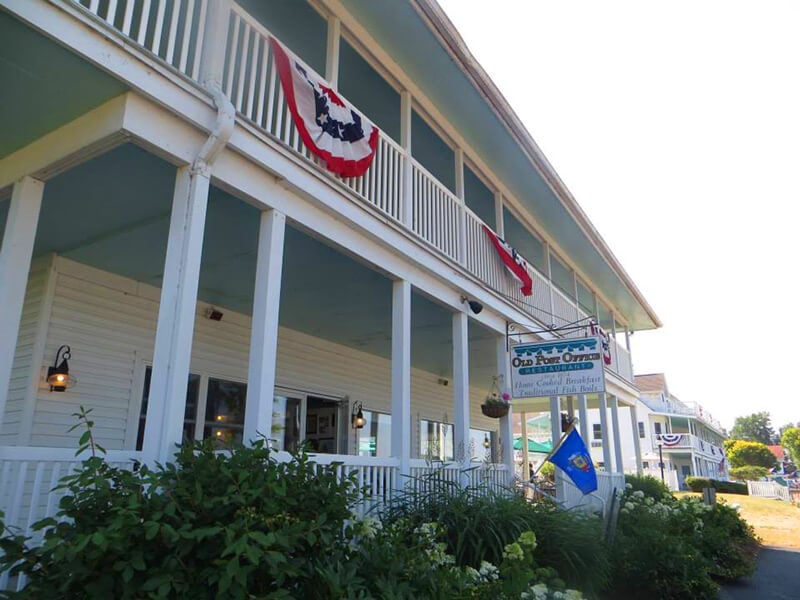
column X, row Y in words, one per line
column 220, row 134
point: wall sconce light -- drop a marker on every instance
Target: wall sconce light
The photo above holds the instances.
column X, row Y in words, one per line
column 58, row 375
column 486, row 441
column 357, row 416
column 475, row 306
column 214, row 314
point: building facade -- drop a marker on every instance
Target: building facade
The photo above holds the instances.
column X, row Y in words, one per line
column 165, row 225
column 683, row 434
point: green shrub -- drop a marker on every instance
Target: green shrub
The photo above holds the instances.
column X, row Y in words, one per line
column 675, row 548
column 652, row 487
column 696, row 484
column 480, row 524
column 728, row 542
column 548, row 471
column 212, row 524
column 748, row 473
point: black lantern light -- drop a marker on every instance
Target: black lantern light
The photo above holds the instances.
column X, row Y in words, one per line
column 357, row 416
column 58, row 375
column 486, row 441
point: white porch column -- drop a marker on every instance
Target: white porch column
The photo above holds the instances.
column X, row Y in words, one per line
column 264, row 332
column 462, row 212
column 212, row 58
column 604, row 431
column 555, row 437
column 583, row 419
column 637, row 443
column 618, row 462
column 523, row 428
column 507, row 422
column 499, row 223
column 176, row 315
column 461, row 387
column 332, row 51
column 405, row 141
column 401, row 378
column 15, row 263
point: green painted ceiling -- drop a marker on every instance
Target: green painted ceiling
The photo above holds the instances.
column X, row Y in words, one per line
column 42, row 85
column 404, row 35
column 113, row 213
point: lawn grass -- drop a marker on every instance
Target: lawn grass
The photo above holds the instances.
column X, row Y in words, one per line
column 777, row 523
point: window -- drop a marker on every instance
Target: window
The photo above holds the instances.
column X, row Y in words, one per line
column 526, row 243
column 657, row 428
column 192, row 395
column 645, row 464
column 478, row 452
column 436, row 440
column 597, row 432
column 375, row 438
column 225, row 403
column 641, row 429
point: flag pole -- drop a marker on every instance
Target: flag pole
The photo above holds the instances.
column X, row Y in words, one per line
column 555, row 448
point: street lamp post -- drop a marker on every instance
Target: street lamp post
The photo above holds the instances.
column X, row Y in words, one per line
column 661, row 460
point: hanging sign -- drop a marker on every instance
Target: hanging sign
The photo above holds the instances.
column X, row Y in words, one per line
column 557, row 368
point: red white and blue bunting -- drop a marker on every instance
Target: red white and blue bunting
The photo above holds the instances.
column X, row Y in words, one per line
column 671, row 439
column 604, row 339
column 329, row 126
column 512, row 260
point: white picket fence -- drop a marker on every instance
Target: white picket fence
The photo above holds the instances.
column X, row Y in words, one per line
column 768, row 489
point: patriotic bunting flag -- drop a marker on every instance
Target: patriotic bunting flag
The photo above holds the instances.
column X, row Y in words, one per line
column 329, row 126
column 604, row 339
column 671, row 439
column 513, row 262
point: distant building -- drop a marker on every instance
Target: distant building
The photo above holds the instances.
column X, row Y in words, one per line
column 690, row 438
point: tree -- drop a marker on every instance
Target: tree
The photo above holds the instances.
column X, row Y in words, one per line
column 782, row 429
column 791, row 441
column 743, row 453
column 754, row 428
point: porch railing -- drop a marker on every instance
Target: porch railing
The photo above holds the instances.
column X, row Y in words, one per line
column 174, row 31
column 28, row 476
column 607, row 485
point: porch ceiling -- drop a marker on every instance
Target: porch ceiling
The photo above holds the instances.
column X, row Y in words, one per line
column 43, row 85
column 112, row 213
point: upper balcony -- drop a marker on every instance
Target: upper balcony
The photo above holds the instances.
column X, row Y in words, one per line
column 690, row 409
column 681, row 442
column 399, row 188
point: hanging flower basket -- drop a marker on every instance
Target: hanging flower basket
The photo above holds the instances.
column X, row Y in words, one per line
column 495, row 411
column 497, row 403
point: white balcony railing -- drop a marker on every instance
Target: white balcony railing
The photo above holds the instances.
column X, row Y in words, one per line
column 174, row 31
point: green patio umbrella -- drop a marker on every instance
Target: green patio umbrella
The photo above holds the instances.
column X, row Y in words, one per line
column 534, row 446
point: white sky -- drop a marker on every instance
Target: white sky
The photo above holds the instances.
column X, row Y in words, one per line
column 676, row 125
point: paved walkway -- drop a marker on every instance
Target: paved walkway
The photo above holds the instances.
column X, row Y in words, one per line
column 777, row 577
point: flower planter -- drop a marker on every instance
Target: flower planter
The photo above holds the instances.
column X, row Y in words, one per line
column 494, row 411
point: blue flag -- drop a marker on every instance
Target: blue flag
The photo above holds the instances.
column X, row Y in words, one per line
column 574, row 459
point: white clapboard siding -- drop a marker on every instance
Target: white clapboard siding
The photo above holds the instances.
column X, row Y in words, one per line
column 24, row 357
column 110, row 323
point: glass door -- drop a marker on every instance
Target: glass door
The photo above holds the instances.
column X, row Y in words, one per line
column 319, row 422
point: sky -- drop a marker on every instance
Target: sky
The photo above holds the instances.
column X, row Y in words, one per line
column 676, row 126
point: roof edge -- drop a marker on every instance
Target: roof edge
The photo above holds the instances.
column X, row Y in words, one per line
column 452, row 41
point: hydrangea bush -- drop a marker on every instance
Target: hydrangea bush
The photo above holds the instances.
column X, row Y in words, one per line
column 676, row 548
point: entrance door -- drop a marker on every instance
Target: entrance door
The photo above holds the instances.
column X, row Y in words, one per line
column 318, row 421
